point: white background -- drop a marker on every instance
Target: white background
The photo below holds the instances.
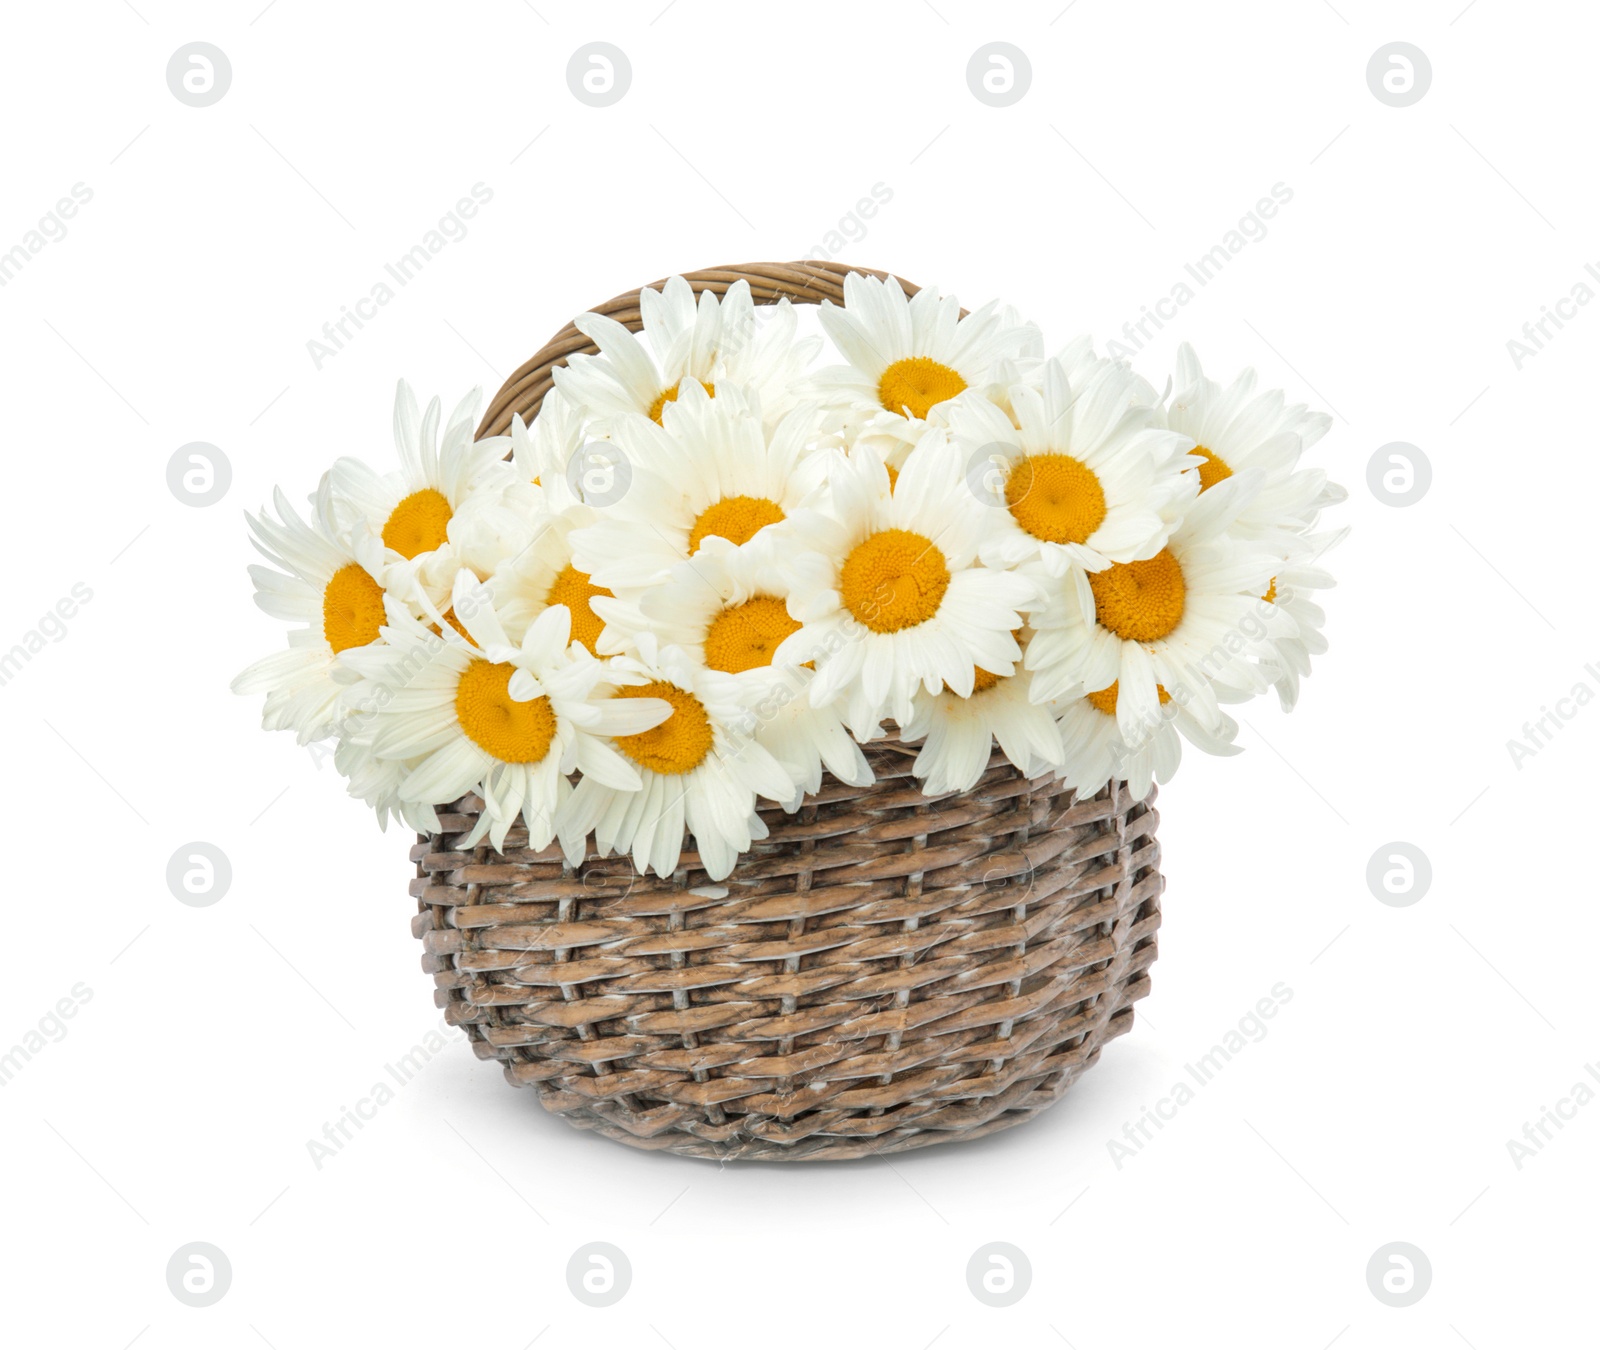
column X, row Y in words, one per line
column 217, row 1041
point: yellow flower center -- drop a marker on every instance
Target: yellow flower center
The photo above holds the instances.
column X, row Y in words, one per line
column 917, row 383
column 1140, row 601
column 894, row 579
column 735, row 519
column 745, row 636
column 352, row 608
column 1212, row 469
column 679, row 744
column 1106, row 699
column 513, row 732
column 419, row 524
column 981, row 679
column 1055, row 498
column 572, row 588
column 667, row 396
column 1271, row 597
column 894, row 477
column 450, row 618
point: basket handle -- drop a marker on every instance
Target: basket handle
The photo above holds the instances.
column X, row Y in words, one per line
column 801, row 283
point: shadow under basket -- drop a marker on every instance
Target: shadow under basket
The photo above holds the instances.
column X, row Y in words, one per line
column 885, row 971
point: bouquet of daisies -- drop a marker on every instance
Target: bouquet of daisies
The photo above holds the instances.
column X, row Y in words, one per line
column 710, row 571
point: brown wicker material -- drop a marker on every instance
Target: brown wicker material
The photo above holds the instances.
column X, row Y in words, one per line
column 885, row 971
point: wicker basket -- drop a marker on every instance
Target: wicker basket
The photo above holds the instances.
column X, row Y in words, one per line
column 885, row 971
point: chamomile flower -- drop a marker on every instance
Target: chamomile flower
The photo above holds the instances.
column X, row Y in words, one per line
column 1087, row 477
column 542, row 455
column 539, row 570
column 1189, row 618
column 508, row 721
column 377, row 782
column 712, row 469
column 909, row 358
column 697, row 772
column 716, row 345
column 889, row 590
column 317, row 583
column 444, row 483
column 543, row 573
column 726, row 608
column 957, row 733
column 1096, row 751
column 1294, row 583
column 1236, row 429
column 1082, row 360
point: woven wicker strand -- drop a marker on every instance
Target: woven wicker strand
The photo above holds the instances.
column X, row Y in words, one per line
column 883, row 972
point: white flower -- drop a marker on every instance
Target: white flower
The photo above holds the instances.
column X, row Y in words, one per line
column 888, row 586
column 509, row 721
column 696, row 771
column 1086, row 477
column 377, row 782
column 1096, row 751
column 542, row 573
column 1082, row 360
column 909, row 358
column 542, row 455
column 712, row 469
column 726, row 608
column 446, row 487
column 702, row 577
column 718, row 346
column 1190, row 618
column 960, row 731
column 1235, row 429
column 319, row 585
column 1292, row 587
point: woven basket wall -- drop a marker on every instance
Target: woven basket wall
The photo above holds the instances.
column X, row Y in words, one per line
column 883, row 972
